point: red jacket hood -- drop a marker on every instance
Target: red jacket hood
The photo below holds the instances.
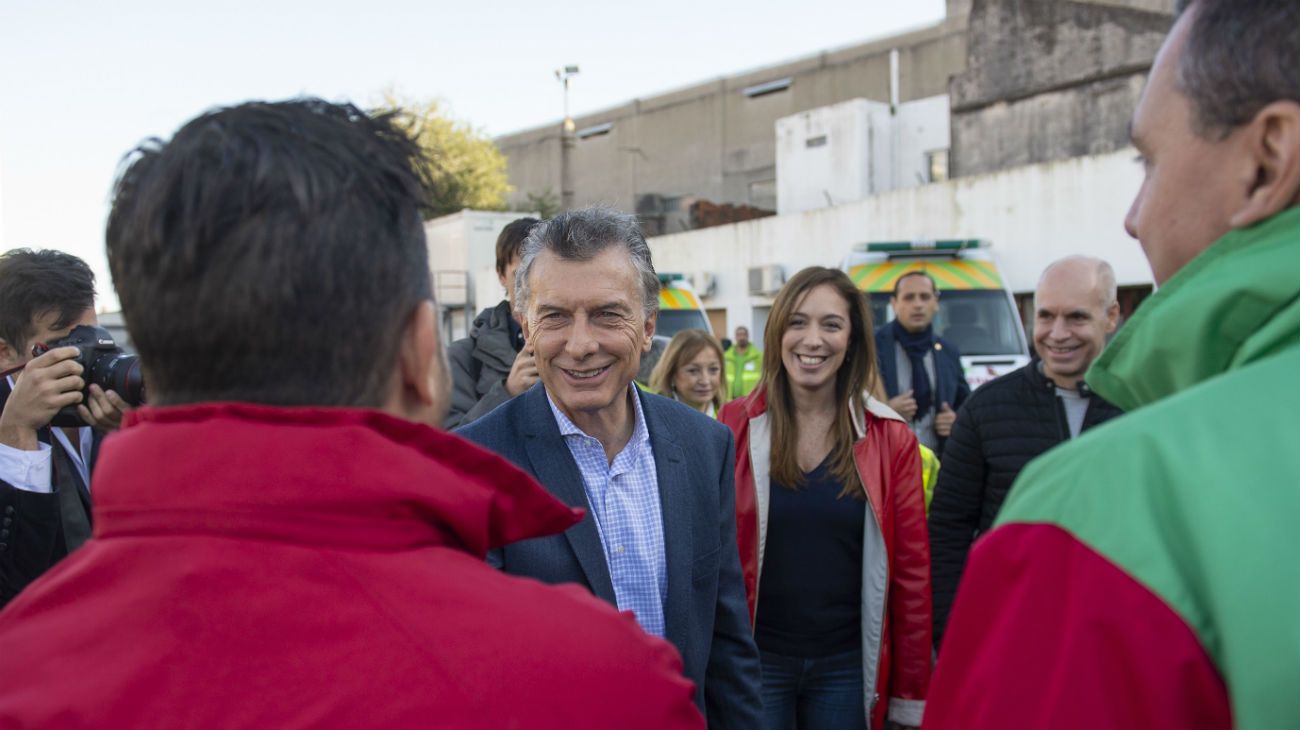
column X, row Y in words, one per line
column 350, row 478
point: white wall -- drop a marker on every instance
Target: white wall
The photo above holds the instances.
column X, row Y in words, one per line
column 466, row 241
column 846, row 152
column 824, row 156
column 921, row 126
column 1032, row 215
column 4, row 247
column 445, row 237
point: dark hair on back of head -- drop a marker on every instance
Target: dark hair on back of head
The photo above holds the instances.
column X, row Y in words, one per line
column 271, row 253
column 1241, row 55
column 510, row 242
column 36, row 283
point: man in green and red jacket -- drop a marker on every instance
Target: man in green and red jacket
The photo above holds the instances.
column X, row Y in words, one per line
column 1145, row 574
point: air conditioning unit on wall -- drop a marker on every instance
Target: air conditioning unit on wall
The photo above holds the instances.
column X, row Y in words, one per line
column 766, row 280
column 705, row 283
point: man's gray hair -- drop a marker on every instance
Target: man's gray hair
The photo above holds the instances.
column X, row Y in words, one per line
column 1104, row 273
column 1241, row 55
column 579, row 235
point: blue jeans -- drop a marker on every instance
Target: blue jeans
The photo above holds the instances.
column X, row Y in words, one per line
column 813, row 694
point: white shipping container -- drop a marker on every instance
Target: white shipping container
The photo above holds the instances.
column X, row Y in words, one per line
column 849, row 151
column 462, row 259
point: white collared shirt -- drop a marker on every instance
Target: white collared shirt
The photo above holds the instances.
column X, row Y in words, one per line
column 33, row 471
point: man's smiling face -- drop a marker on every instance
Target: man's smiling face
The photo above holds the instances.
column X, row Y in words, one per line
column 586, row 323
column 1072, row 317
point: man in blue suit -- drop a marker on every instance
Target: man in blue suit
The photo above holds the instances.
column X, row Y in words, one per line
column 656, row 477
column 922, row 372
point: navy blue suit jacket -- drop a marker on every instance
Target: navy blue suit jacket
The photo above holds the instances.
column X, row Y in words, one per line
column 705, row 612
column 951, row 387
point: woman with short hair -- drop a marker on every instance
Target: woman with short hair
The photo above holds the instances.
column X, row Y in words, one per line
column 831, row 520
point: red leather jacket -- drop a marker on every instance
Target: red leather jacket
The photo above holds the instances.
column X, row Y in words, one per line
column 896, row 642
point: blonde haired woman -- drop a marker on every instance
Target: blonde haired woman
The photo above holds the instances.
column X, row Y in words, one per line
column 690, row 370
column 831, row 521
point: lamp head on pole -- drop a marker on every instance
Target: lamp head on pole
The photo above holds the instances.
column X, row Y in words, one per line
column 563, row 75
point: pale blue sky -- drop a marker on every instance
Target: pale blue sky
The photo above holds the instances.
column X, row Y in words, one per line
column 82, row 82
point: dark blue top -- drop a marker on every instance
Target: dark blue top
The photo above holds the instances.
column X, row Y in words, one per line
column 810, row 593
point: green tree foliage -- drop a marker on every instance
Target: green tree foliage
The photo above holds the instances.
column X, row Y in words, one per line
column 466, row 170
column 546, row 204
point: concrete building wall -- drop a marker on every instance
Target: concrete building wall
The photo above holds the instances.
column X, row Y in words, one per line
column 1032, row 215
column 1030, row 81
column 1049, row 80
column 824, row 156
column 845, row 152
column 920, row 128
column 535, row 168
column 711, row 141
column 1155, row 6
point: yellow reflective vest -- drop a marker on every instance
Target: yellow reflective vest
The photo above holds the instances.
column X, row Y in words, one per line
column 743, row 371
column 929, row 474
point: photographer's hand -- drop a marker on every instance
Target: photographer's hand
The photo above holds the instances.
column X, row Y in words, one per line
column 48, row 382
column 104, row 410
column 523, row 373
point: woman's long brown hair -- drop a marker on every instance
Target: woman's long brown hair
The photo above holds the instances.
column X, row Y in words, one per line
column 856, row 377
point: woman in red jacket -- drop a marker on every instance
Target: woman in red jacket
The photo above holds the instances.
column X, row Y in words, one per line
column 830, row 520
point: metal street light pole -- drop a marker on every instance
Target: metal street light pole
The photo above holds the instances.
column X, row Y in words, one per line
column 567, row 140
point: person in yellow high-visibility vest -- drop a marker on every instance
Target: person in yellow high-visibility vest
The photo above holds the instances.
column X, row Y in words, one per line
column 743, row 363
column 929, row 474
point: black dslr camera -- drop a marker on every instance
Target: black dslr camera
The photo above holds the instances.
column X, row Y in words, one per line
column 103, row 363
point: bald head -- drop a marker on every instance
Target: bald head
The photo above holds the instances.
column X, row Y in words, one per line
column 1074, row 310
column 1086, row 271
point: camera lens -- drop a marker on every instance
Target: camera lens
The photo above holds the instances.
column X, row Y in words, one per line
column 121, row 373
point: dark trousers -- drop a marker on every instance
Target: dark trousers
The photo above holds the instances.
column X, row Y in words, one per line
column 813, row 694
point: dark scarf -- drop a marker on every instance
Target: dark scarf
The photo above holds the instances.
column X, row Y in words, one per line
column 917, row 345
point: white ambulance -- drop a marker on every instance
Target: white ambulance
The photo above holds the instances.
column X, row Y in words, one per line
column 679, row 307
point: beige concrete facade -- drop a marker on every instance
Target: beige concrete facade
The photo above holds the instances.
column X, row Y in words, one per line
column 714, row 142
column 1029, row 81
column 1050, row 80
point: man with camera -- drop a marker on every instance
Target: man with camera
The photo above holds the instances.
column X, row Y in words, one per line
column 45, row 467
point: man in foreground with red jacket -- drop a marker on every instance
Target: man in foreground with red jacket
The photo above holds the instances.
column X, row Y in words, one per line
column 281, row 540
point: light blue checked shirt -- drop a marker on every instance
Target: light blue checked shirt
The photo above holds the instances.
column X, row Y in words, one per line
column 624, row 498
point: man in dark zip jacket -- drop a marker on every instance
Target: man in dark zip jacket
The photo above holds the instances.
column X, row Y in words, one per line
column 1021, row 415
column 45, row 500
column 491, row 365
